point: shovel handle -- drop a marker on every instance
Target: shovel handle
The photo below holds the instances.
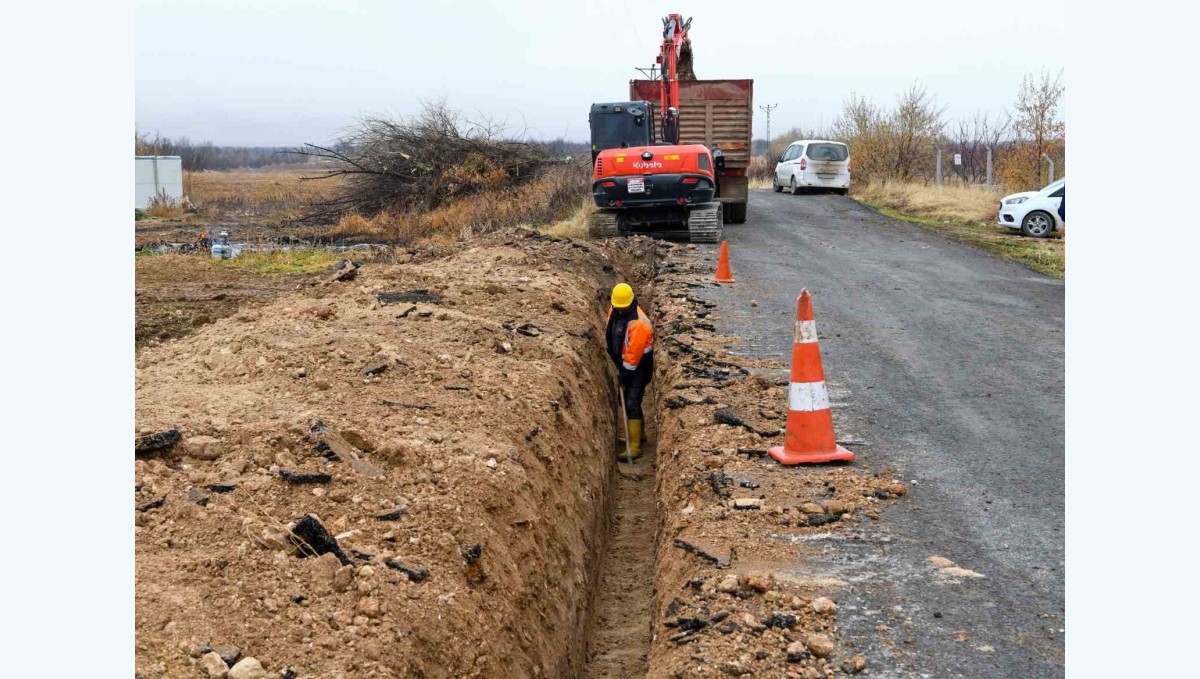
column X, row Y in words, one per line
column 625, row 424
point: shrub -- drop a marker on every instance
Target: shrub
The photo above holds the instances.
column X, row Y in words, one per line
column 421, row 164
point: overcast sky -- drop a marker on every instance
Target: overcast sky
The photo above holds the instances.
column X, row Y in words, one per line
column 284, row 72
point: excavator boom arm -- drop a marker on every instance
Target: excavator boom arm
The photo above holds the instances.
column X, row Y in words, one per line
column 675, row 32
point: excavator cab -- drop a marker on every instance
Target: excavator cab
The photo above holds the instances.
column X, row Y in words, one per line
column 620, row 125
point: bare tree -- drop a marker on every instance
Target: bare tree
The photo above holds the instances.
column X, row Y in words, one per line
column 1037, row 130
column 971, row 138
column 896, row 144
column 916, row 131
column 866, row 129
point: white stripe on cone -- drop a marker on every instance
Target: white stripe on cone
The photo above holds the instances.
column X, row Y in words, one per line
column 806, row 332
column 808, row 396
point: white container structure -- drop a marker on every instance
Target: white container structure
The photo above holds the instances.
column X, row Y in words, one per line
column 157, row 175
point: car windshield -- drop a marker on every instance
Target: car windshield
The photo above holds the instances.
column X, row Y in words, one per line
column 828, row 152
column 1054, row 186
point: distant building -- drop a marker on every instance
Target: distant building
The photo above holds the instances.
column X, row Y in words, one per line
column 157, row 175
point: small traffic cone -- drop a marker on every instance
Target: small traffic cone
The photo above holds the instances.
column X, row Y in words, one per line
column 809, row 435
column 724, row 275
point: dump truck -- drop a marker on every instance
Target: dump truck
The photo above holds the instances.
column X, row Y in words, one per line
column 717, row 114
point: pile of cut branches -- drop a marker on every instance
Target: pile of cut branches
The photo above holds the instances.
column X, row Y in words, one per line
column 420, row 164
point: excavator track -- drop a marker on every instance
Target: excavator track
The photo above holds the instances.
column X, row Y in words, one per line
column 704, row 223
column 603, row 224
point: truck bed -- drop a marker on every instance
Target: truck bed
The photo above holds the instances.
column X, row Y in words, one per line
column 716, row 113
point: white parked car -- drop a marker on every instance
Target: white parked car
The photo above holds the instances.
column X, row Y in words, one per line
column 813, row 163
column 1035, row 213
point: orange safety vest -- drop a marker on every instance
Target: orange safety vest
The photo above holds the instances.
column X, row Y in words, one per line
column 639, row 339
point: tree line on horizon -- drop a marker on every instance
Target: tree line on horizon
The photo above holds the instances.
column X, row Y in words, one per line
column 207, row 156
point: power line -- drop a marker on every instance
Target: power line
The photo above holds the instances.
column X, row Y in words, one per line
column 768, row 108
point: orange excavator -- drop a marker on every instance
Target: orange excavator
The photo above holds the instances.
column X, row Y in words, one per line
column 646, row 185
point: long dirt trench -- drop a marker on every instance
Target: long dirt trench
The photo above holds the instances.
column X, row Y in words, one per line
column 623, row 601
column 449, row 420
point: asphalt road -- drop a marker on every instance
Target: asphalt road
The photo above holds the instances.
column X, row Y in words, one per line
column 945, row 364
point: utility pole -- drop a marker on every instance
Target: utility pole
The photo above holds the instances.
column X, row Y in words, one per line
column 768, row 108
column 990, row 175
column 939, row 167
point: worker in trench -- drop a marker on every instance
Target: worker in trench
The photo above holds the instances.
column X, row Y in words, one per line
column 630, row 338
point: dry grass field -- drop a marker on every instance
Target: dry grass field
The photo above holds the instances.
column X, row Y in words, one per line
column 965, row 213
column 278, row 192
column 952, row 202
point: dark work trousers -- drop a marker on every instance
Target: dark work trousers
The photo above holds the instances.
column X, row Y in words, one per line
column 637, row 387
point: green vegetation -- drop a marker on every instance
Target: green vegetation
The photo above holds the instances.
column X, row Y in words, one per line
column 284, row 262
column 138, row 214
column 300, row 261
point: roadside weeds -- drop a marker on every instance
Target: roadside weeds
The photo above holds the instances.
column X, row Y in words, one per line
column 964, row 214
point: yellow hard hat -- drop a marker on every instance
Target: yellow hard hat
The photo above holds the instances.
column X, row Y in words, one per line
column 622, row 296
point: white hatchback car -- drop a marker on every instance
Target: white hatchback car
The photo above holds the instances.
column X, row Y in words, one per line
column 813, row 163
column 1035, row 213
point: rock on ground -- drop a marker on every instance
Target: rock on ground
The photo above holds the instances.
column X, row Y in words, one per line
column 854, row 665
column 213, row 666
column 247, row 668
column 819, row 645
column 824, row 604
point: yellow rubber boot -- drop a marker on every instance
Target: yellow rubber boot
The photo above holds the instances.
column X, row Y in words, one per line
column 635, row 438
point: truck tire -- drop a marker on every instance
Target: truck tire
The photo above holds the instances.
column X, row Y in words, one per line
column 735, row 213
column 603, row 224
column 704, row 223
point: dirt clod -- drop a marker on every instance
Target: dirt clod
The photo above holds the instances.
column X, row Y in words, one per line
column 819, row 645
column 796, row 652
column 854, row 664
column 155, row 443
column 202, row 447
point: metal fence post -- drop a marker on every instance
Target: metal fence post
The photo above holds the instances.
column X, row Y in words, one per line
column 939, row 167
column 1051, row 162
column 989, row 166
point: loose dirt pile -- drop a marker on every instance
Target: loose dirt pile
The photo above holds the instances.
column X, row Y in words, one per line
column 448, row 422
column 732, row 595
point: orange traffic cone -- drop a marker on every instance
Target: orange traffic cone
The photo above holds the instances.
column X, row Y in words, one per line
column 809, row 435
column 724, row 275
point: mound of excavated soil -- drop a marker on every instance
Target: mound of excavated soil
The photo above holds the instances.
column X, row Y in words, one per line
column 449, row 421
column 733, row 594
